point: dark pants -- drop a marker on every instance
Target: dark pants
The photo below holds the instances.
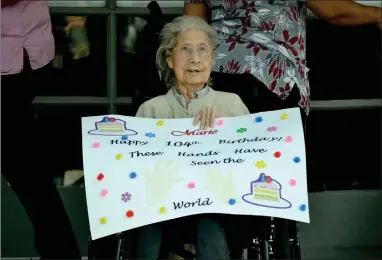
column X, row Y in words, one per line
column 210, row 237
column 21, row 159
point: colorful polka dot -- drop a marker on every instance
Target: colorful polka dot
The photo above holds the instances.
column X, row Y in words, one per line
column 277, row 154
column 288, row 139
column 133, row 175
column 296, row 159
column 232, row 201
column 130, row 214
column 100, row 177
column 292, row 182
column 103, row 220
column 220, row 122
column 118, row 156
column 284, row 116
column 104, row 193
column 125, row 137
column 191, row 185
column 302, row 207
column 258, row 119
column 96, row 145
column 160, row 123
column 163, row 210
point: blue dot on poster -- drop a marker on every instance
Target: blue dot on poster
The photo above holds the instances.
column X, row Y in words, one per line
column 258, row 119
column 133, row 175
column 124, row 137
column 296, row 159
column 302, row 207
column 232, row 201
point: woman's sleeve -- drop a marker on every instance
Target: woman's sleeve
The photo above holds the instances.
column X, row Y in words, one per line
column 144, row 111
column 238, row 108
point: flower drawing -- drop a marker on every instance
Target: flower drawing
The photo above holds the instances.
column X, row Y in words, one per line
column 125, row 196
column 271, row 129
column 150, row 135
column 260, row 164
column 241, row 130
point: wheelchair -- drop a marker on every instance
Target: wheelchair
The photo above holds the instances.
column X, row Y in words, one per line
column 279, row 241
column 280, row 237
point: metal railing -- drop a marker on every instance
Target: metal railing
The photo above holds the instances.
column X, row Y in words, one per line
column 102, row 101
column 112, row 8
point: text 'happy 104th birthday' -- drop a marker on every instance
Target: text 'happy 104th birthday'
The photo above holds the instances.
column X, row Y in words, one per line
column 182, row 144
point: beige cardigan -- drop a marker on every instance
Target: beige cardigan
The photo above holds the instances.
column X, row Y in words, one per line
column 167, row 106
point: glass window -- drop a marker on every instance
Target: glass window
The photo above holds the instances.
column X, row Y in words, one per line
column 58, row 131
column 79, row 67
column 344, row 149
column 137, row 46
column 128, row 110
column 344, row 62
column 76, row 3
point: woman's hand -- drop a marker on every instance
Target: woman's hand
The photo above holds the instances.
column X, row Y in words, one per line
column 206, row 117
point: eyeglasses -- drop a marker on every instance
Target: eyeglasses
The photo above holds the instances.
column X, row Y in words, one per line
column 186, row 51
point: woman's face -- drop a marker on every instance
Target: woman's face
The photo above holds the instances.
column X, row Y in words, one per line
column 192, row 59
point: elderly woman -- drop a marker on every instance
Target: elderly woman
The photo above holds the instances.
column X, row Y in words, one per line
column 185, row 59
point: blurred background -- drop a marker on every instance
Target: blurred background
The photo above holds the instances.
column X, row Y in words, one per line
column 101, row 69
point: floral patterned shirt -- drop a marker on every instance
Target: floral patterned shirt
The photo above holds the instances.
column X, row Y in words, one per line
column 265, row 38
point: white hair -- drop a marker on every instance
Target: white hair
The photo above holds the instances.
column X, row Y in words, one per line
column 167, row 40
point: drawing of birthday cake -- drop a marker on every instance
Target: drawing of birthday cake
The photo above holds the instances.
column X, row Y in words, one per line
column 111, row 126
column 266, row 192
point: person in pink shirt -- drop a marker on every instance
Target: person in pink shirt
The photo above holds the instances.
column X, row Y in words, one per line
column 27, row 48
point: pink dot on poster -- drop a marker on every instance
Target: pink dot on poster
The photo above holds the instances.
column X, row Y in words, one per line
column 104, row 193
column 191, row 185
column 220, row 122
column 292, row 182
column 96, row 145
column 288, row 139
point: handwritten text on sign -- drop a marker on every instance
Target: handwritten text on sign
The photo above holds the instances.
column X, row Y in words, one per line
column 142, row 171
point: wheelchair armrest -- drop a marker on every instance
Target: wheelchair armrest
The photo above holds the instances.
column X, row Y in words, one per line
column 183, row 253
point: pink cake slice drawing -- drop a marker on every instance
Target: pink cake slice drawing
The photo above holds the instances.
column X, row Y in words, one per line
column 266, row 192
column 110, row 126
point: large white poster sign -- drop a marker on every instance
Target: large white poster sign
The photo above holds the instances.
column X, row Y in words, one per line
column 142, row 171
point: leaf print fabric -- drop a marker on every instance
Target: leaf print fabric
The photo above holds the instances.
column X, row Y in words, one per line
column 265, row 38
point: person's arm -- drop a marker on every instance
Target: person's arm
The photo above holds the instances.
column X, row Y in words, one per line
column 345, row 12
column 197, row 8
